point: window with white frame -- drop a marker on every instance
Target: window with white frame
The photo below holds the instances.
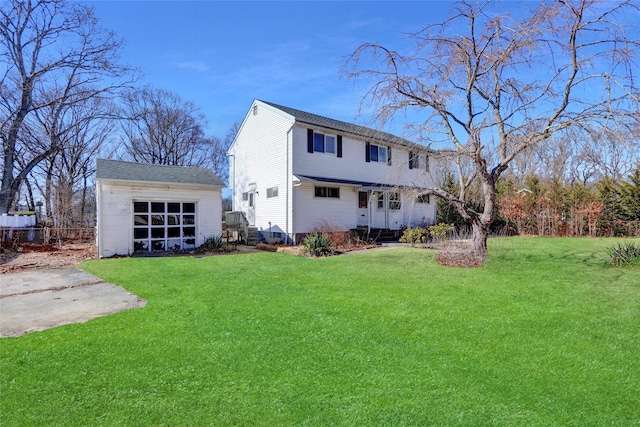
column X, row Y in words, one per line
column 423, row 198
column 331, row 192
column 377, row 153
column 272, row 192
column 323, row 143
column 380, row 196
column 414, row 160
column 163, row 226
column 394, row 201
column 247, row 196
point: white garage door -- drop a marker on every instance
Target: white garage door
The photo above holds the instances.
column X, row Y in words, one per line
column 163, row 226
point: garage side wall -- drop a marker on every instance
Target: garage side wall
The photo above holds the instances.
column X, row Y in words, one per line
column 115, row 212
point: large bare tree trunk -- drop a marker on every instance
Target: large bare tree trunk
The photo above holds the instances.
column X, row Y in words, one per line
column 479, row 240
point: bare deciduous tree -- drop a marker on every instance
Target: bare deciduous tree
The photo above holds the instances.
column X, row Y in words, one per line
column 82, row 131
column 493, row 85
column 161, row 128
column 218, row 156
column 54, row 54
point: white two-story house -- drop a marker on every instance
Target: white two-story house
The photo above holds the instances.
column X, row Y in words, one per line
column 292, row 172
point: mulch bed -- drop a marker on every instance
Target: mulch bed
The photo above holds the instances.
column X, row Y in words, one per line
column 458, row 259
column 456, row 253
column 33, row 255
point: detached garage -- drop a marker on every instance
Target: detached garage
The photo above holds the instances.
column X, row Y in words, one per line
column 146, row 208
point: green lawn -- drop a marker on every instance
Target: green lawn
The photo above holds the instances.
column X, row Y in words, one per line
column 546, row 333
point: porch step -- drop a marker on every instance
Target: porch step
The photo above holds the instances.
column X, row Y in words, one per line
column 384, row 235
column 254, row 236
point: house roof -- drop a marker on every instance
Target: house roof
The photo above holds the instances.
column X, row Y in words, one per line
column 130, row 171
column 340, row 126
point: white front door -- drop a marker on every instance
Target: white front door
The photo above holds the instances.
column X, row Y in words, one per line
column 380, row 210
column 251, row 209
column 363, row 209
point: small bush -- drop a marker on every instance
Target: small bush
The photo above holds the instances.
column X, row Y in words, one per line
column 211, row 244
column 624, row 254
column 318, row 244
column 340, row 238
column 337, row 234
column 440, row 231
column 415, row 235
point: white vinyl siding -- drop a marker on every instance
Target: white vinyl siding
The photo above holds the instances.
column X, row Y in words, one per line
column 261, row 158
column 352, row 165
column 315, row 212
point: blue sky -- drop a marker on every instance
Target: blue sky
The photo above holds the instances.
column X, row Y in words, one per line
column 222, row 55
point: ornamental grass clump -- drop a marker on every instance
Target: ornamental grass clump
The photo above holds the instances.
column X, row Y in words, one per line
column 624, row 254
column 318, row 244
column 211, row 244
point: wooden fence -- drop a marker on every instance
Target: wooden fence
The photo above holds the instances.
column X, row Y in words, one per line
column 48, row 235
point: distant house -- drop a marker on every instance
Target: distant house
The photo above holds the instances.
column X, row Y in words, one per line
column 293, row 171
column 154, row 208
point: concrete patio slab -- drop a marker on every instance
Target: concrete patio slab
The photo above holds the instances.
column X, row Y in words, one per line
column 35, row 300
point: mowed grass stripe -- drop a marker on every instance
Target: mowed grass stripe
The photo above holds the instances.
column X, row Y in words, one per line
column 546, row 333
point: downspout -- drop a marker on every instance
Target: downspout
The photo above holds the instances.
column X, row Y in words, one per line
column 232, row 180
column 132, row 248
column 298, row 183
column 99, row 217
column 370, row 213
column 289, row 181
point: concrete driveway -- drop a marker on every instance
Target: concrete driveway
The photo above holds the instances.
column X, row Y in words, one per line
column 39, row 299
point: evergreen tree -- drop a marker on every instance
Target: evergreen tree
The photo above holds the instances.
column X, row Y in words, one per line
column 608, row 192
column 630, row 197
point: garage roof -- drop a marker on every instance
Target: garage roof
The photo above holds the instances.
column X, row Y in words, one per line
column 130, row 171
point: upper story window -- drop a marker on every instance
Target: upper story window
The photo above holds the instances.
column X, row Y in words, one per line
column 272, row 192
column 318, row 142
column 414, row 160
column 324, row 143
column 378, row 153
column 333, row 192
